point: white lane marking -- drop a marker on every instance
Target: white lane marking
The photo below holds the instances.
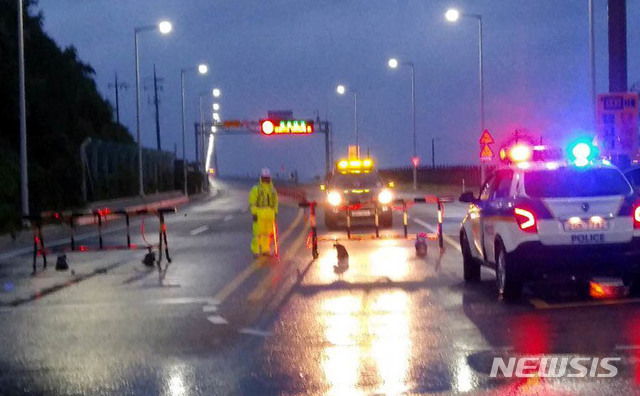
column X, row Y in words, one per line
column 228, row 217
column 626, row 347
column 199, row 230
column 210, row 308
column 431, row 228
column 254, row 332
column 185, row 300
column 217, row 319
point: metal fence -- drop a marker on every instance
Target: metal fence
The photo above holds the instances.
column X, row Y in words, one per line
column 111, row 170
column 435, row 175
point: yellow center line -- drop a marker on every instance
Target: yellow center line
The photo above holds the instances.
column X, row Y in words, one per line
column 226, row 291
column 292, row 227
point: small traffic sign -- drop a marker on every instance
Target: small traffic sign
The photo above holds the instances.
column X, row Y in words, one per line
column 486, row 154
column 486, row 138
column 415, row 161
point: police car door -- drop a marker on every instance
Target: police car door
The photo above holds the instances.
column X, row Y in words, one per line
column 476, row 214
column 496, row 210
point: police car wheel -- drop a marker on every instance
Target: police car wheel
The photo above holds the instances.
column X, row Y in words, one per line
column 507, row 277
column 470, row 265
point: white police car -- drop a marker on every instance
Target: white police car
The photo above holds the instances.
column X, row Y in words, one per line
column 536, row 218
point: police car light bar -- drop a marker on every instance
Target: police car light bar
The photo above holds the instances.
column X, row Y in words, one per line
column 580, row 153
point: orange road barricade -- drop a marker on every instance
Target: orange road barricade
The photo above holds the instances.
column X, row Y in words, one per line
column 99, row 217
column 398, row 205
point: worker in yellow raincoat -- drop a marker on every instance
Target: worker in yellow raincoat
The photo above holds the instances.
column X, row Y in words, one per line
column 263, row 200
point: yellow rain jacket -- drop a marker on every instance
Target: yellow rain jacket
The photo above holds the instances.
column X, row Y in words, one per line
column 263, row 200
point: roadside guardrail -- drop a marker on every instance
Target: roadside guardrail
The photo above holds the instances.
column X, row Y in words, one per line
column 98, row 217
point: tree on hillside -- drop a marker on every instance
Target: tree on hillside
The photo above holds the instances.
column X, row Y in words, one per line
column 63, row 108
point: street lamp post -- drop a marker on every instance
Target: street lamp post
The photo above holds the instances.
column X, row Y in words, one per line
column 393, row 63
column 24, row 175
column 452, row 15
column 165, row 28
column 341, row 90
column 202, row 69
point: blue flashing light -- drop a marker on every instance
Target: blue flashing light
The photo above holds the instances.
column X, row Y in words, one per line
column 582, row 152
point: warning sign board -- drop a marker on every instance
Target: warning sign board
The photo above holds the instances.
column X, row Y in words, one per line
column 486, row 138
column 486, row 154
column 617, row 115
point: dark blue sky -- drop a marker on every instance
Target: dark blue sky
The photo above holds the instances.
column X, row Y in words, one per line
column 290, row 54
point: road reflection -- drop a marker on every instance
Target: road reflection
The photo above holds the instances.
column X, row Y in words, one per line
column 368, row 342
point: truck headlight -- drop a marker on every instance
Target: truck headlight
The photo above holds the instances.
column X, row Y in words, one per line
column 385, row 197
column 334, row 198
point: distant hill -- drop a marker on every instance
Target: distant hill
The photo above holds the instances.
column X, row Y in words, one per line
column 63, row 108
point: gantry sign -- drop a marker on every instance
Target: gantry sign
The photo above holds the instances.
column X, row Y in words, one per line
column 268, row 127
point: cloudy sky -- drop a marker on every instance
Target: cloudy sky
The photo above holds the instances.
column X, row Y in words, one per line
column 290, row 55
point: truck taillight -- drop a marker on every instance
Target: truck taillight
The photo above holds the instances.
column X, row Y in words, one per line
column 527, row 220
column 636, row 215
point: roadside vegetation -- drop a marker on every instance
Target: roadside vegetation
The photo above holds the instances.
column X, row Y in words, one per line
column 63, row 108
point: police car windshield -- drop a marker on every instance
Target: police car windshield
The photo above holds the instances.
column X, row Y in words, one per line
column 356, row 180
column 575, row 182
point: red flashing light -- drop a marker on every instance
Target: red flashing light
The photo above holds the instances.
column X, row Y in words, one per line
column 286, row 127
column 266, row 127
column 636, row 216
column 526, row 220
column 415, row 161
column 520, row 153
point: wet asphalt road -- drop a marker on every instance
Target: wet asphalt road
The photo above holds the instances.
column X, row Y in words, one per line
column 216, row 321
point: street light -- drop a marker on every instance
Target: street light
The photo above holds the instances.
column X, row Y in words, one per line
column 216, row 107
column 164, row 27
column 216, row 92
column 394, row 63
column 341, row 90
column 452, row 15
column 202, row 69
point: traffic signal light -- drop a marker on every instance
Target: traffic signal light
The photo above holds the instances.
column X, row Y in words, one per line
column 286, row 127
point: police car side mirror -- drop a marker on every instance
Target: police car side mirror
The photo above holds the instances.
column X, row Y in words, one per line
column 467, row 196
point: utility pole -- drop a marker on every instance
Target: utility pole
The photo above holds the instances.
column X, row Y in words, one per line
column 617, row 45
column 156, row 102
column 118, row 86
column 617, row 22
